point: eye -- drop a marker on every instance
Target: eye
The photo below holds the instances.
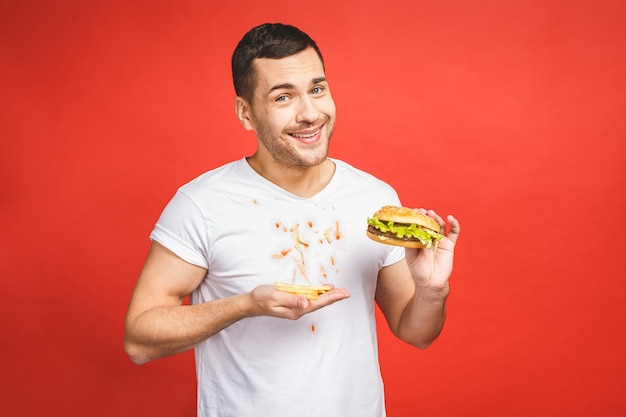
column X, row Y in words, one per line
column 317, row 90
column 281, row 99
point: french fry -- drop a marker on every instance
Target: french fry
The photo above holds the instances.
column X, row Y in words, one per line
column 308, row 291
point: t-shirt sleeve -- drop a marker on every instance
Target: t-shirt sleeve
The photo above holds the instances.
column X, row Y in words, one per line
column 182, row 229
column 395, row 254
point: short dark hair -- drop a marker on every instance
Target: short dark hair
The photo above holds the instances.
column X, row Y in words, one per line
column 269, row 40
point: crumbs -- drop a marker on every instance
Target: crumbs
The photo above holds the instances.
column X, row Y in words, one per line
column 310, row 248
column 307, row 246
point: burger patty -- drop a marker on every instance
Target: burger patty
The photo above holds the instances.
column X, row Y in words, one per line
column 392, row 235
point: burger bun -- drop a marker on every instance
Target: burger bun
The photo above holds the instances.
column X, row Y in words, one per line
column 407, row 215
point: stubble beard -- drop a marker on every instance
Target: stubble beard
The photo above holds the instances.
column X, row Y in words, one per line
column 285, row 151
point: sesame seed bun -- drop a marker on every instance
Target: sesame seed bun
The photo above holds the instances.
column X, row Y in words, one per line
column 404, row 216
column 408, row 216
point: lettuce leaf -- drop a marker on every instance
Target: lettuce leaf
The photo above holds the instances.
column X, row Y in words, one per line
column 405, row 230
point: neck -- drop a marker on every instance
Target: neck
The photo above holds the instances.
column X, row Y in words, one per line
column 301, row 181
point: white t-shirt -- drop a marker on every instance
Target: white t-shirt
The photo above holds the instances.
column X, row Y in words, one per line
column 247, row 231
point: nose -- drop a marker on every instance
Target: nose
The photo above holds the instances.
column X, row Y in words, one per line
column 307, row 111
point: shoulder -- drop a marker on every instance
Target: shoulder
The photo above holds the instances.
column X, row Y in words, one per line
column 349, row 173
column 226, row 181
column 211, row 189
column 213, row 178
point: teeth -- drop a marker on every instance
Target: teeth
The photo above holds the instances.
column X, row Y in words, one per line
column 304, row 136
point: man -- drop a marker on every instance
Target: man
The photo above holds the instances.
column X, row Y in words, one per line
column 287, row 213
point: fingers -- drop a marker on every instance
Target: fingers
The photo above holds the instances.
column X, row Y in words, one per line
column 325, row 299
column 442, row 224
column 455, row 228
column 294, row 306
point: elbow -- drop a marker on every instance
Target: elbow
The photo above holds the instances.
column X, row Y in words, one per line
column 423, row 341
column 135, row 352
column 423, row 345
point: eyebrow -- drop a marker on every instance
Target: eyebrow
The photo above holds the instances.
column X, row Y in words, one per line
column 289, row 86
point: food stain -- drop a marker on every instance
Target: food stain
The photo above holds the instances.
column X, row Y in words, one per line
column 323, row 271
column 310, row 240
column 302, row 269
column 312, row 327
column 327, row 235
column 282, row 254
column 279, row 226
column 297, row 238
column 337, row 233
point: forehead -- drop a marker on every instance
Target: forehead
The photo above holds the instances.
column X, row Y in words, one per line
column 298, row 70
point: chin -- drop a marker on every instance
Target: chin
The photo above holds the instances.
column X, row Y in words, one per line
column 315, row 160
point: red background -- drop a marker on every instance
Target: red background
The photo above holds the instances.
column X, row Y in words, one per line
column 509, row 114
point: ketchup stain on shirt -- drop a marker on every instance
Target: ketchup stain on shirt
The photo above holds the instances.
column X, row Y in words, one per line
column 308, row 239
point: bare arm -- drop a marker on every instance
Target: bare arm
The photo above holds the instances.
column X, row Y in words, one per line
column 158, row 325
column 412, row 293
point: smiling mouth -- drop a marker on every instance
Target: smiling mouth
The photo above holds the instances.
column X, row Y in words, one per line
column 307, row 134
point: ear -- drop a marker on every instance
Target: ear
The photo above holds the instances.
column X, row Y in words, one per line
column 242, row 110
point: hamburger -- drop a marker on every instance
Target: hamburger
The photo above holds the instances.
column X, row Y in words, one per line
column 403, row 226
